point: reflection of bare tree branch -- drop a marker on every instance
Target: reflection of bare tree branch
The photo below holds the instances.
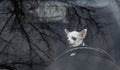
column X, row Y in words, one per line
column 3, row 40
column 79, row 17
column 41, row 50
column 53, row 32
column 41, row 36
column 27, row 37
column 6, row 23
column 6, row 45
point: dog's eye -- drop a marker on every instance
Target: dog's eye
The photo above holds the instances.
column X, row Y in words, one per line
column 74, row 38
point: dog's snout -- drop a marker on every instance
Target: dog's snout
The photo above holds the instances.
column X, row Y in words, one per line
column 70, row 42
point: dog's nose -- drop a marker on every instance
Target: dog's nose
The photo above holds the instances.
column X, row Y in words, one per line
column 68, row 40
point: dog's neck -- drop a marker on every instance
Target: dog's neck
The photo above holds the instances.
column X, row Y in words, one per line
column 78, row 44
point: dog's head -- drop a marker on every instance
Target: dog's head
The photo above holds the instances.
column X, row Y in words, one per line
column 75, row 38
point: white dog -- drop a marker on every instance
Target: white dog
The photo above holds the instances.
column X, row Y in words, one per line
column 75, row 38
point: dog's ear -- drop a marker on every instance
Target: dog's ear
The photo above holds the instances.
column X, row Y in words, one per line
column 83, row 33
column 66, row 31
